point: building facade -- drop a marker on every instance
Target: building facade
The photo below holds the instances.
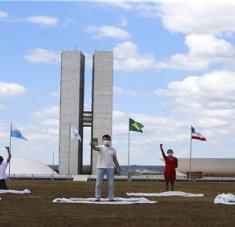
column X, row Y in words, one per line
column 72, row 113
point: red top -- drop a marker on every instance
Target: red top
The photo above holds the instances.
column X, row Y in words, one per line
column 170, row 165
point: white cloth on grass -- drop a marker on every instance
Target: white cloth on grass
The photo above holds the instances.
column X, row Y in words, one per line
column 167, row 193
column 19, row 192
column 227, row 199
column 117, row 201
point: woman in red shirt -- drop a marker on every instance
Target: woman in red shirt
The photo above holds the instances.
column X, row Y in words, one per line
column 171, row 163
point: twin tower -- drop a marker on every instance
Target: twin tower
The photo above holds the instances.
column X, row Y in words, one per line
column 72, row 106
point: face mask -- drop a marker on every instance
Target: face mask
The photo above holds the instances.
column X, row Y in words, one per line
column 106, row 143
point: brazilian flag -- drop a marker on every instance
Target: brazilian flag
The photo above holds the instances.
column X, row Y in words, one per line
column 135, row 126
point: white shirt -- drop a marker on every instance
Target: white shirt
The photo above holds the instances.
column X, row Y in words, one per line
column 105, row 157
column 3, row 167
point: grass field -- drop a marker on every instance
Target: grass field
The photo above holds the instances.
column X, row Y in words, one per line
column 37, row 209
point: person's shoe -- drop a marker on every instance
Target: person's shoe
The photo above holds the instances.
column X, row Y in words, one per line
column 111, row 200
column 97, row 200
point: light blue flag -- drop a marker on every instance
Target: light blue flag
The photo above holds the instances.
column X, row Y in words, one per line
column 17, row 134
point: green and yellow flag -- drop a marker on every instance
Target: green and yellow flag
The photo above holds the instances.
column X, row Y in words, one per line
column 135, row 126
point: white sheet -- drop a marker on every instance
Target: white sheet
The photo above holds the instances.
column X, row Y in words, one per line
column 167, row 193
column 227, row 199
column 19, row 192
column 117, row 201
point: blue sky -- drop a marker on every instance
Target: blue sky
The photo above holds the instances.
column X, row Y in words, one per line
column 172, row 69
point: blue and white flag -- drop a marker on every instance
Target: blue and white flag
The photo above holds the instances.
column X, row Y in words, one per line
column 17, row 134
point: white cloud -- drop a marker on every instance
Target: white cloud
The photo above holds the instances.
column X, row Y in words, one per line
column 171, row 131
column 3, row 14
column 203, row 50
column 126, row 49
column 174, row 132
column 208, row 46
column 128, row 58
column 42, row 141
column 43, row 20
column 39, row 55
column 42, row 135
column 210, row 17
column 108, row 31
column 208, row 99
column 11, row 90
column 46, row 125
column 48, row 112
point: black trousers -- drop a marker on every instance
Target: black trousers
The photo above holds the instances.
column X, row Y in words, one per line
column 3, row 184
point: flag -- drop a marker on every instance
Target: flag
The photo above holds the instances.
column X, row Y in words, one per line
column 135, row 126
column 74, row 134
column 17, row 134
column 196, row 135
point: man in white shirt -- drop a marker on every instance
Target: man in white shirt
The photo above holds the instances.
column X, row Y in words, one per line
column 107, row 160
column 3, row 167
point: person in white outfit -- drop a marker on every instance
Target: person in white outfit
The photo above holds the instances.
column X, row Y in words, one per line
column 107, row 162
column 3, row 167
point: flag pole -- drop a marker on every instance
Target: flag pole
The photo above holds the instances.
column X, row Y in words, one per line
column 9, row 170
column 190, row 156
column 128, row 172
column 53, row 165
column 69, row 151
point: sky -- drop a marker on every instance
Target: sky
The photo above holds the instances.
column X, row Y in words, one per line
column 173, row 68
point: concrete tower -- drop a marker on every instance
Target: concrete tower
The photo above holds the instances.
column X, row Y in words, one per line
column 71, row 111
column 102, row 98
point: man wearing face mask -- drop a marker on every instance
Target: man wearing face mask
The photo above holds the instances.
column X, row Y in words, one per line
column 107, row 160
column 171, row 163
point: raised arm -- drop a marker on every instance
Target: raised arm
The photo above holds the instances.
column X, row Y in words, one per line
column 94, row 147
column 163, row 153
column 9, row 154
column 117, row 165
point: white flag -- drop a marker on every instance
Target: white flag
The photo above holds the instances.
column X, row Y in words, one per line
column 74, row 134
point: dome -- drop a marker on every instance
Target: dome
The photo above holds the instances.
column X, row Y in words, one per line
column 21, row 165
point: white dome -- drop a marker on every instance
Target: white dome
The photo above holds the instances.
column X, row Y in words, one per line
column 21, row 165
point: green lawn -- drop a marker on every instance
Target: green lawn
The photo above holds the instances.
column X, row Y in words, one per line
column 38, row 210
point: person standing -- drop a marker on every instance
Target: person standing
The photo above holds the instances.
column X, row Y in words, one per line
column 107, row 160
column 171, row 163
column 3, row 167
